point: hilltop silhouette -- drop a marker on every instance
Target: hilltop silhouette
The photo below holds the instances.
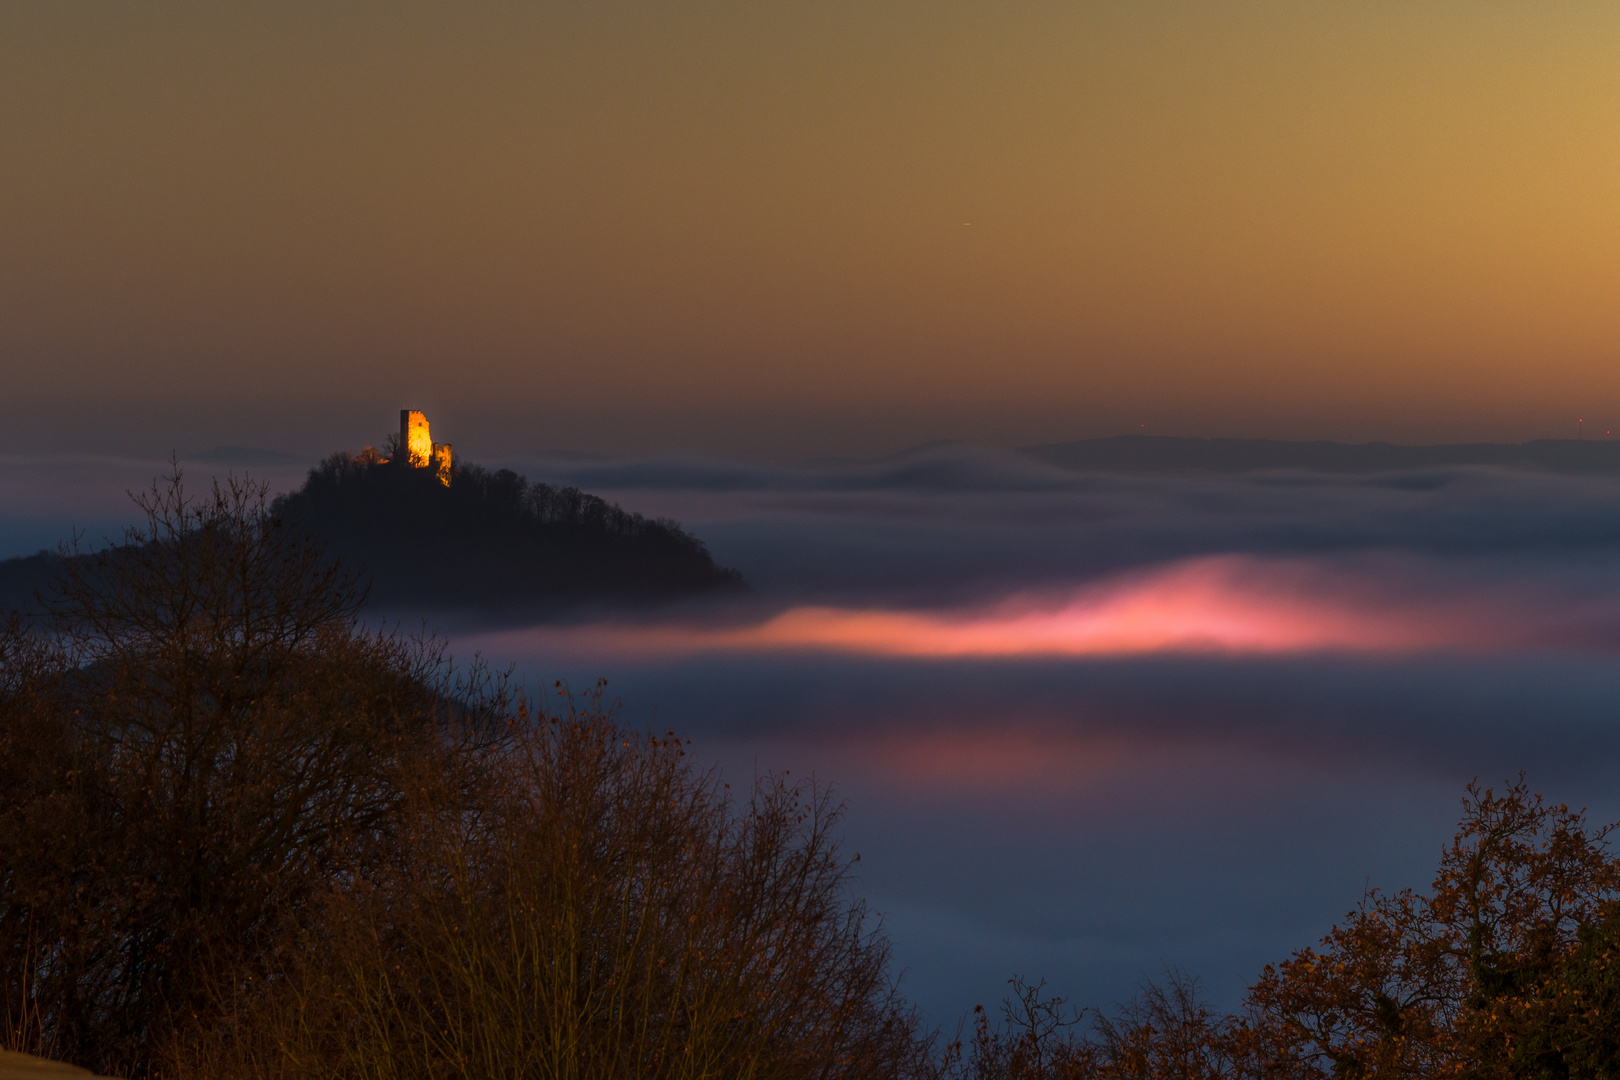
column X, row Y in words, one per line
column 493, row 542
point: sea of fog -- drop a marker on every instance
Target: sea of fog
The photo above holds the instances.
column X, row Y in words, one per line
column 1087, row 726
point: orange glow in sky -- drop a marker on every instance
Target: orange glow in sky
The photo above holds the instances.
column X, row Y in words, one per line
column 724, row 224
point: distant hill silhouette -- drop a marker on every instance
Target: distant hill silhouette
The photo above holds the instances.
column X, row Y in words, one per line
column 21, row 577
column 1161, row 453
column 491, row 541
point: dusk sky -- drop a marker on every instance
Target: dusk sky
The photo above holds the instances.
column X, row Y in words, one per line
column 792, row 229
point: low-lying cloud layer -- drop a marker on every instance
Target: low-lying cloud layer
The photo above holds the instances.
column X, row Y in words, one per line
column 1225, row 604
column 1091, row 724
column 956, row 522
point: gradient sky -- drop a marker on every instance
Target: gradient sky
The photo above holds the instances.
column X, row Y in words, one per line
column 796, row 228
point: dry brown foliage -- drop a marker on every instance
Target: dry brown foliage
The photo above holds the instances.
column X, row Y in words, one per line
column 605, row 912
column 241, row 836
column 191, row 752
column 1442, row 985
column 1508, row 968
column 202, row 742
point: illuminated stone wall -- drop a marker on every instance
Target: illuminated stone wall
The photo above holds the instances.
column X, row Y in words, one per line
column 417, row 448
column 415, row 442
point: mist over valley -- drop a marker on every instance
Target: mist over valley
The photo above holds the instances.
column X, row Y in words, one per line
column 1061, row 703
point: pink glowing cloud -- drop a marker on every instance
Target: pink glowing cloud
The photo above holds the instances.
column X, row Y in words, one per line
column 1222, row 605
column 1211, row 605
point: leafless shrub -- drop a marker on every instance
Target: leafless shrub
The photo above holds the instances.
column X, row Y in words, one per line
column 605, row 912
column 242, row 836
column 1164, row 1033
column 201, row 743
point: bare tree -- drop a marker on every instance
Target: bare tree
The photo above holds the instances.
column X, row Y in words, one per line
column 207, row 739
column 606, row 912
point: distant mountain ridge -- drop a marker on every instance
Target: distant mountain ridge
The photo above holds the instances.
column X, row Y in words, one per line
column 1167, row 453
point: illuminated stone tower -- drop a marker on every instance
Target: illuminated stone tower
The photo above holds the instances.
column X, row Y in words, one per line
column 417, row 448
column 415, row 442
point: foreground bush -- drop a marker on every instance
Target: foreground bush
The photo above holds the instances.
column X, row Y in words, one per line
column 606, row 912
column 241, row 836
column 1507, row 969
column 202, row 744
column 1503, row 970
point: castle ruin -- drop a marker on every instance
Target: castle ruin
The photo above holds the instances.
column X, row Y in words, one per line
column 417, row 448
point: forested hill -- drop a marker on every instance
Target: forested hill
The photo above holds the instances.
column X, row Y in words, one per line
column 490, row 541
column 1161, row 453
column 493, row 540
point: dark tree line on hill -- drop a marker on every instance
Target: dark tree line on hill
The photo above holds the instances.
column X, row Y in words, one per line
column 492, row 540
column 242, row 837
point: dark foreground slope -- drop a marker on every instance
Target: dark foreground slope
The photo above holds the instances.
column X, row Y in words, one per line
column 490, row 541
column 1158, row 453
column 494, row 541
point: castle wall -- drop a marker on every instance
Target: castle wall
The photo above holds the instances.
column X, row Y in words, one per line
column 415, row 441
column 442, row 462
column 417, row 448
